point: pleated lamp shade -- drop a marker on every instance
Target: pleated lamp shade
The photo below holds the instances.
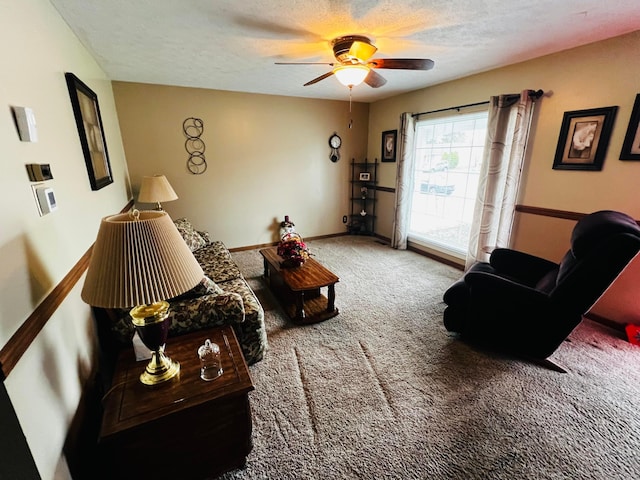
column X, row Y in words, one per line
column 139, row 260
column 156, row 189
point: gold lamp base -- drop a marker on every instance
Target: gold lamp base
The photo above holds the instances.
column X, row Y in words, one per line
column 152, row 323
column 159, row 369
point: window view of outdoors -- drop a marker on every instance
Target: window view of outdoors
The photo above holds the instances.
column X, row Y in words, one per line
column 447, row 166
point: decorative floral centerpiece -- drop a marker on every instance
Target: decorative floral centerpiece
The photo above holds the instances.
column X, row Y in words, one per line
column 293, row 250
column 291, row 247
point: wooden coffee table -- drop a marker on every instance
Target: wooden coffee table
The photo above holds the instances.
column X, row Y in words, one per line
column 298, row 288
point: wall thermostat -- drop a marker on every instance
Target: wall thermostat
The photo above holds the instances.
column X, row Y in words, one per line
column 46, row 200
column 26, row 122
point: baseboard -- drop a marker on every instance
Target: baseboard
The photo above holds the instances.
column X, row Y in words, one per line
column 382, row 238
column 607, row 322
column 273, row 244
column 438, row 258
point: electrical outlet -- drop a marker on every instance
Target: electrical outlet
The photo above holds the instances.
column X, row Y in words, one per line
column 344, row 219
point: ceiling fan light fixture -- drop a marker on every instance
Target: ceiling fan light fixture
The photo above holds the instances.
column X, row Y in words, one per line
column 351, row 75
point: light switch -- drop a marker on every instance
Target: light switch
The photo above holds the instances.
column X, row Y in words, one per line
column 26, row 122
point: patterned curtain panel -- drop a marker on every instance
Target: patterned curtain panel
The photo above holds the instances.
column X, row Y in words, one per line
column 504, row 152
column 404, row 181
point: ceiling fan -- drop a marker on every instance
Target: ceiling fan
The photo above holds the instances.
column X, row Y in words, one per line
column 354, row 64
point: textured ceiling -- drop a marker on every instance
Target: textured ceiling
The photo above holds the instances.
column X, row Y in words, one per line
column 232, row 45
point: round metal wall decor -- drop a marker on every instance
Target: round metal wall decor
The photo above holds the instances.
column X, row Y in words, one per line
column 194, row 145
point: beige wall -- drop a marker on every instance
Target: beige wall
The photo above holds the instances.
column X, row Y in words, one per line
column 37, row 48
column 596, row 75
column 267, row 156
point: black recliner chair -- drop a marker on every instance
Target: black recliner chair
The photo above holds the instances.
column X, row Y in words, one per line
column 527, row 305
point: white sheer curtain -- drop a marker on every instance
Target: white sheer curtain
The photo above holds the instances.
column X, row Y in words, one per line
column 404, row 182
column 504, row 152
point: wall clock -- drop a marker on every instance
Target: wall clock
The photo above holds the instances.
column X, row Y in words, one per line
column 335, row 142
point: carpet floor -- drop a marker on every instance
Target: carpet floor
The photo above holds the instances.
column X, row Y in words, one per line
column 384, row 391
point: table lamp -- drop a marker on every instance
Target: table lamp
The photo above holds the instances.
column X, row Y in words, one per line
column 139, row 260
column 156, row 189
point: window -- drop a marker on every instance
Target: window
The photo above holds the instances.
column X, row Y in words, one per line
column 448, row 156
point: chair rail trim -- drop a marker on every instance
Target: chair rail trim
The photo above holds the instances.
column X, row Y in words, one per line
column 20, row 341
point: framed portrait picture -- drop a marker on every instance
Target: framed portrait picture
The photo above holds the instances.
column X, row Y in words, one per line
column 584, row 138
column 389, row 145
column 364, row 176
column 86, row 111
column 631, row 146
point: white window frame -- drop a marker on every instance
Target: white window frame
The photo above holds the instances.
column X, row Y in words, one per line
column 430, row 245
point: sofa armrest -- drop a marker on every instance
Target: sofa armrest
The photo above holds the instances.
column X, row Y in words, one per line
column 226, row 308
column 191, row 314
column 205, row 235
column 499, row 291
column 526, row 268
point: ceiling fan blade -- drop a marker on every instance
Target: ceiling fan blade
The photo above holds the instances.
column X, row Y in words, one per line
column 362, row 50
column 402, row 63
column 374, row 79
column 317, row 79
column 305, row 63
column 273, row 28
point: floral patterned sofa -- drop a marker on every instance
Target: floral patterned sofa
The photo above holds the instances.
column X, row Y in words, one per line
column 223, row 297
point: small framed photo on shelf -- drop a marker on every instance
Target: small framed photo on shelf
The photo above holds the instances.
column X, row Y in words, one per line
column 364, row 176
column 584, row 137
column 389, row 145
column 631, row 146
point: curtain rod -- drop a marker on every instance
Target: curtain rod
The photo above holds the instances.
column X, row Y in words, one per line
column 532, row 93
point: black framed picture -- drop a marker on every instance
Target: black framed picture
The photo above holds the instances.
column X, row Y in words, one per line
column 389, row 145
column 584, row 138
column 631, row 146
column 86, row 111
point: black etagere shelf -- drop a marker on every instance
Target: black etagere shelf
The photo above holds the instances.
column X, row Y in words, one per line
column 364, row 178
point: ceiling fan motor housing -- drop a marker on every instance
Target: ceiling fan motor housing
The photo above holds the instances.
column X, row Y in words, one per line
column 342, row 46
column 353, row 54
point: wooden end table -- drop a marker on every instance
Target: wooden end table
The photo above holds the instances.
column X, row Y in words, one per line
column 298, row 288
column 186, row 427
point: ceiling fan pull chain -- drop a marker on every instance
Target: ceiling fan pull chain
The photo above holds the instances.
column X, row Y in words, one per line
column 350, row 117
